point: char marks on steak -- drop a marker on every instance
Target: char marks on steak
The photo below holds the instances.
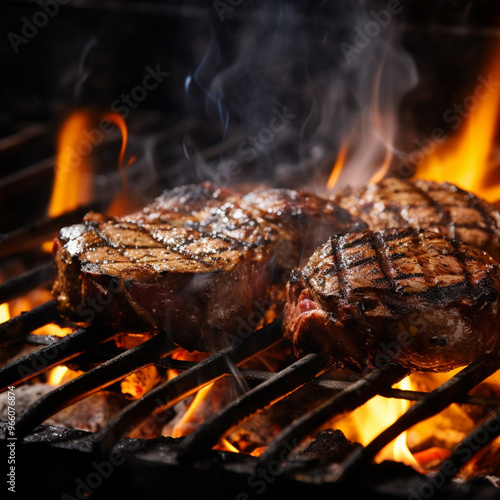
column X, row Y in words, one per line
column 440, row 207
column 194, row 263
column 405, row 295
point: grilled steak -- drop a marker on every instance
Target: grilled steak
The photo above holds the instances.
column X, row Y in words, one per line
column 193, row 263
column 404, row 295
column 440, row 207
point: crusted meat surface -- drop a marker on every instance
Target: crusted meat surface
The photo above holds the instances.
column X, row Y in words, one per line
column 194, row 263
column 404, row 295
column 440, row 207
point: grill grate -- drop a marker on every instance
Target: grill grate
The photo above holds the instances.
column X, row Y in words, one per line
column 90, row 346
column 272, row 388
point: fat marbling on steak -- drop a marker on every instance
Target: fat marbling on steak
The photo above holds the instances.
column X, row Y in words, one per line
column 441, row 207
column 191, row 263
column 427, row 302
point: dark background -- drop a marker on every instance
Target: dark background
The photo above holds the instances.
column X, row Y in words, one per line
column 260, row 56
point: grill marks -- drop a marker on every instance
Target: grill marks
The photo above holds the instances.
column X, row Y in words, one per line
column 399, row 287
column 146, row 239
column 441, row 207
column 194, row 262
column 442, row 210
column 417, row 264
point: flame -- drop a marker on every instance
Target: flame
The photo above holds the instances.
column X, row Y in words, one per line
column 369, row 143
column 225, row 445
column 140, row 382
column 60, row 374
column 53, row 329
column 73, row 168
column 466, row 158
column 56, row 375
column 338, row 167
column 186, row 423
column 73, row 179
column 122, row 202
column 4, row 312
column 122, row 127
column 368, row 421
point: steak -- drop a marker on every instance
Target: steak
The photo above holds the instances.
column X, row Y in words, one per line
column 195, row 263
column 440, row 207
column 404, row 295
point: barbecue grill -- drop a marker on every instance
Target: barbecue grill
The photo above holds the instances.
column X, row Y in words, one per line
column 71, row 463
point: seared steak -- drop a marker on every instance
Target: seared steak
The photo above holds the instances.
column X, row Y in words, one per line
column 440, row 207
column 194, row 263
column 404, row 295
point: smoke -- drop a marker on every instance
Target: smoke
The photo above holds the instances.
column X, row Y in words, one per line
column 337, row 67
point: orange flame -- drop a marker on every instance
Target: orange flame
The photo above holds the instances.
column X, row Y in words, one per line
column 185, row 424
column 56, row 375
column 337, row 168
column 53, row 329
column 466, row 158
column 122, row 202
column 368, row 151
column 120, row 123
column 368, row 421
column 225, row 445
column 4, row 312
column 60, row 373
column 73, row 168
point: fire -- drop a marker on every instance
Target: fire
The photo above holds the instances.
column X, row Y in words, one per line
column 337, row 168
column 73, row 168
column 56, row 375
column 196, row 414
column 4, row 312
column 368, row 421
column 122, row 126
column 122, row 202
column 466, row 159
column 188, row 421
column 140, row 382
column 61, row 374
column 225, row 445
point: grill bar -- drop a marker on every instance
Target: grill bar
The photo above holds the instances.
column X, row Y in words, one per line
column 339, row 385
column 20, row 285
column 166, row 395
column 354, row 396
column 435, row 402
column 35, row 233
column 269, row 392
column 100, row 377
column 482, row 436
column 20, row 326
column 52, row 355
